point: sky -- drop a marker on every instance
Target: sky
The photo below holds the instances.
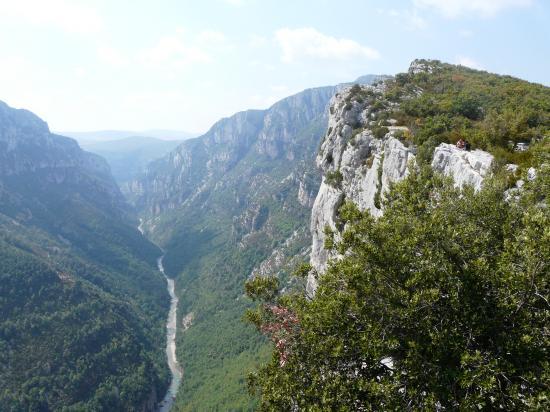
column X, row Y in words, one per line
column 86, row 65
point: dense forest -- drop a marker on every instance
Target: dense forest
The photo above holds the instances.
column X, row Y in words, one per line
column 82, row 306
column 73, row 333
column 440, row 303
column 212, row 260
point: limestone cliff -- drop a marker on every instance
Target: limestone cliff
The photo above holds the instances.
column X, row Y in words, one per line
column 28, row 148
column 227, row 205
column 361, row 156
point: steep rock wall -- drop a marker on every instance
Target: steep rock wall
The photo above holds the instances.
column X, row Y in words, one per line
column 359, row 167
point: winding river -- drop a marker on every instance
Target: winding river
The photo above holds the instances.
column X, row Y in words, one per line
column 171, row 328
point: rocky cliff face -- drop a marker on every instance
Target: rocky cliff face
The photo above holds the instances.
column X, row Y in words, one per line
column 357, row 166
column 465, row 167
column 199, row 165
column 227, row 205
column 27, row 148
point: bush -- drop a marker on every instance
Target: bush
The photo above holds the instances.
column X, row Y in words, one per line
column 334, row 179
column 380, row 131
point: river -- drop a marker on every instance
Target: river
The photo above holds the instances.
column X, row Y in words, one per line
column 171, row 329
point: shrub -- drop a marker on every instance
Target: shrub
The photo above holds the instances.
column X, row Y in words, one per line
column 334, row 179
column 380, row 131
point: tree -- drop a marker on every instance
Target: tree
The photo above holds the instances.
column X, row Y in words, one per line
column 440, row 303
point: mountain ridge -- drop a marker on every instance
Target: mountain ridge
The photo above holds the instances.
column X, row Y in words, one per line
column 97, row 136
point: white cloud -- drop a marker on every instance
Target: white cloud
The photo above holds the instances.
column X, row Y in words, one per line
column 468, row 62
column 410, row 19
column 259, row 65
column 174, row 52
column 308, row 42
column 415, row 21
column 80, row 72
column 485, row 8
column 212, row 37
column 170, row 53
column 69, row 16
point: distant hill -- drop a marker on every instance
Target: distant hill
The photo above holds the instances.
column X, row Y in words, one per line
column 109, row 135
column 128, row 157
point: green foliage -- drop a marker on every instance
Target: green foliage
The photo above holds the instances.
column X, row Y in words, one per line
column 302, row 270
column 369, row 161
column 378, row 194
column 71, row 331
column 440, row 303
column 334, row 178
column 359, row 94
column 262, row 288
column 82, row 306
column 492, row 112
column 380, row 131
column 329, row 237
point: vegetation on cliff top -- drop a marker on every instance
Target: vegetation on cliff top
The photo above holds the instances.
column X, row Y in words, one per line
column 441, row 102
column 443, row 301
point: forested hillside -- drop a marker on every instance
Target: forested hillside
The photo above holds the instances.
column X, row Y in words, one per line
column 82, row 306
column 219, row 205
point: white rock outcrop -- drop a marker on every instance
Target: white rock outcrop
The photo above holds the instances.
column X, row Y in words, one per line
column 361, row 167
column 466, row 167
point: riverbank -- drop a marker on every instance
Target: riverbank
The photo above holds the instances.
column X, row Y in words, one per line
column 171, row 330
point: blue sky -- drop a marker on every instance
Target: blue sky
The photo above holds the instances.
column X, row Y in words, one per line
column 176, row 64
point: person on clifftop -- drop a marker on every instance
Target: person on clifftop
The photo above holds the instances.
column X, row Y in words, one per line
column 461, row 144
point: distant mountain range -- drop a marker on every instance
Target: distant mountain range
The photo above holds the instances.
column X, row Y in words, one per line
column 128, row 157
column 108, row 135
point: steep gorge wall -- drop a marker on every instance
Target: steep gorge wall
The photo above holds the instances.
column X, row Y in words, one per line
column 357, row 166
